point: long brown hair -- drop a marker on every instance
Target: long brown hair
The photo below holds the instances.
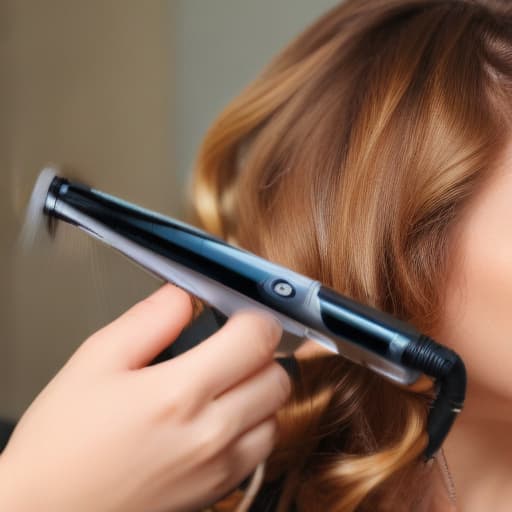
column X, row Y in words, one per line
column 350, row 160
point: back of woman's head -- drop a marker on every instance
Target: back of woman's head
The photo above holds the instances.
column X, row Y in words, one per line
column 350, row 160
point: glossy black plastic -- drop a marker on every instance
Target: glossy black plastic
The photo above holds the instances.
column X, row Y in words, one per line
column 373, row 330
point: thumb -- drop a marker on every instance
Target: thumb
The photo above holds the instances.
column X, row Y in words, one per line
column 135, row 338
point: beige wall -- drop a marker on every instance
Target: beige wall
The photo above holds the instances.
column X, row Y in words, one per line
column 88, row 85
column 6, row 225
column 220, row 46
column 120, row 92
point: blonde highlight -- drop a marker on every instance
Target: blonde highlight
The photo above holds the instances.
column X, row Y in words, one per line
column 350, row 160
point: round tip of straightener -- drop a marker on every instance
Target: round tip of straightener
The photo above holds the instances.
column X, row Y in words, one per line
column 35, row 220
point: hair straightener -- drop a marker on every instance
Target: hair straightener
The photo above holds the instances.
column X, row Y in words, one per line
column 229, row 279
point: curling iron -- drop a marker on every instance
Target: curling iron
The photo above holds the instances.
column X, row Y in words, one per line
column 229, row 278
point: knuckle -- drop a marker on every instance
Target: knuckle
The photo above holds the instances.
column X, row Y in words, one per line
column 211, row 439
column 177, row 403
column 184, row 404
column 179, row 409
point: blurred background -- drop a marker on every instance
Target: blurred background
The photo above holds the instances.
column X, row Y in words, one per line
column 119, row 94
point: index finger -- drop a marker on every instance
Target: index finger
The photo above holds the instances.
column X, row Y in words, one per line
column 140, row 334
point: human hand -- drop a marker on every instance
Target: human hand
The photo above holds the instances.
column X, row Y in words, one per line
column 110, row 433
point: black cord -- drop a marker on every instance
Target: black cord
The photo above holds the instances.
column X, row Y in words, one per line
column 449, row 371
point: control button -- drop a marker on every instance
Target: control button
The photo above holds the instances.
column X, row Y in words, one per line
column 283, row 289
